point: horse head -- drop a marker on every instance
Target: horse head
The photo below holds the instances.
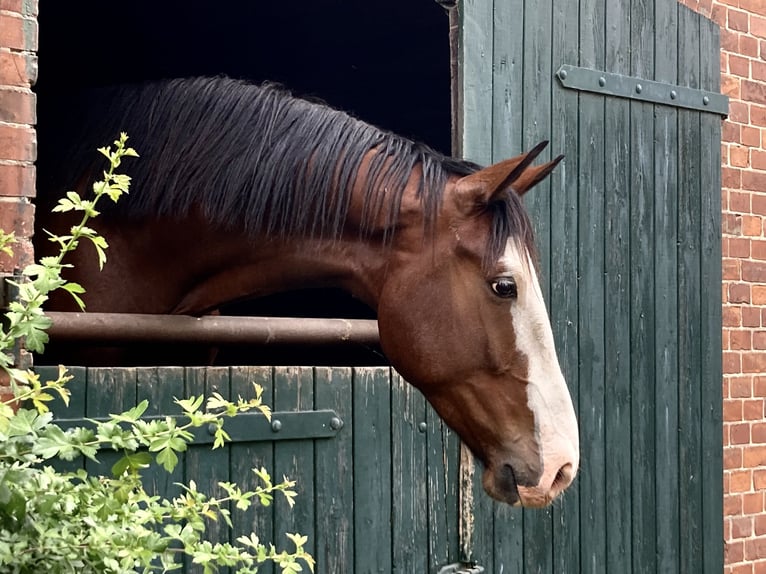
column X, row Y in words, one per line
column 473, row 334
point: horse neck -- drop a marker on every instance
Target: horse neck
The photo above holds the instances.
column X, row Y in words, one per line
column 233, row 268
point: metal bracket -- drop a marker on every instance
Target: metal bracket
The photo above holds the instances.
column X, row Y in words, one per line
column 584, row 79
column 461, row 568
column 253, row 427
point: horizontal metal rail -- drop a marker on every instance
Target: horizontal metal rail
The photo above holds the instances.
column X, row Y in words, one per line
column 209, row 330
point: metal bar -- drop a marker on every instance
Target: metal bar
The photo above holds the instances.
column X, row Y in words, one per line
column 212, row 330
column 633, row 88
column 251, row 427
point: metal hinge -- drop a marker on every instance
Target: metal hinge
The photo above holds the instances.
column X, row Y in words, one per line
column 598, row 82
column 253, row 427
column 461, row 568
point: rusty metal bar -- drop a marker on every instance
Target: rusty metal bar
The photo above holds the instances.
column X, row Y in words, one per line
column 212, row 330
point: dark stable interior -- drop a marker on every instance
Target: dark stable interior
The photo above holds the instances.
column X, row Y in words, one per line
column 387, row 64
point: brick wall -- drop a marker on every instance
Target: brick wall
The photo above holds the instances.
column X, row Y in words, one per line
column 18, row 71
column 743, row 79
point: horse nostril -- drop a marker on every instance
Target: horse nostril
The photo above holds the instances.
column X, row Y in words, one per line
column 564, row 478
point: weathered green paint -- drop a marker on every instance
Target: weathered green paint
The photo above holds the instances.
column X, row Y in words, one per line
column 629, row 235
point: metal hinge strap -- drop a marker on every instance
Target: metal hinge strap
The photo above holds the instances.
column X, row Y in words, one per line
column 598, row 82
column 253, row 427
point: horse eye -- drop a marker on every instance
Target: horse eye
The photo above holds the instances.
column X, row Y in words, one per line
column 505, row 287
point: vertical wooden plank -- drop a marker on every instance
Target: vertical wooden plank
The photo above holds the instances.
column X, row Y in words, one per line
column 506, row 33
column 689, row 283
column 159, row 386
column 513, row 547
column 294, row 391
column 538, row 76
column 110, row 390
column 443, row 459
column 642, row 297
column 475, row 97
column 205, row 466
column 710, row 328
column 475, row 79
column 409, row 509
column 666, row 285
column 617, row 351
column 246, row 456
column 591, row 296
column 372, row 471
column 564, row 260
column 334, row 481
column 78, row 387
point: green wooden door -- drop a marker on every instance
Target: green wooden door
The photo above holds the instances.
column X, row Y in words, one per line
column 629, row 233
column 377, row 494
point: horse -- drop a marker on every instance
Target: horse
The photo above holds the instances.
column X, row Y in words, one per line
column 244, row 190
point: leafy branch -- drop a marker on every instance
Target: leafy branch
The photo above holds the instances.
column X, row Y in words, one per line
column 73, row 522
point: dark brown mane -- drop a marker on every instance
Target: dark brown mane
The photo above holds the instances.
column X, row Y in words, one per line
column 257, row 158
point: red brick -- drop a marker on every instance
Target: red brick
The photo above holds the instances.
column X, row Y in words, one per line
column 759, row 340
column 752, row 410
column 734, row 551
column 740, row 434
column 11, row 5
column 740, row 481
column 739, row 293
column 17, row 216
column 758, row 26
column 732, row 504
column 752, row 226
column 23, row 255
column 740, row 201
column 731, row 178
column 729, row 41
column 732, row 133
column 739, row 66
column 753, row 456
column 741, row 527
column 731, row 224
column 758, row 432
column 755, row 548
column 748, row 46
column 732, row 317
column 752, row 503
column 12, row 32
column 732, row 362
column 17, row 143
column 732, row 459
column 17, row 106
column 753, row 362
column 740, row 387
column 731, row 270
column 753, row 6
column 750, row 136
column 754, row 180
column 759, row 386
column 751, row 317
column 15, row 69
column 17, row 180
column 732, row 411
column 754, row 271
column 753, row 91
column 739, row 112
column 758, row 159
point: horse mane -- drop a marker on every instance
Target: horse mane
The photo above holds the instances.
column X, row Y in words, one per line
column 255, row 157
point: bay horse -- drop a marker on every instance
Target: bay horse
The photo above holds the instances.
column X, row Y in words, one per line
column 243, row 190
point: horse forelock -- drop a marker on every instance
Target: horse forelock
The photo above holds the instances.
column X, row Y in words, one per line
column 256, row 158
column 510, row 221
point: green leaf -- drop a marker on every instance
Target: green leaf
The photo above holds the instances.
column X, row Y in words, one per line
column 168, row 459
column 133, row 414
column 131, row 462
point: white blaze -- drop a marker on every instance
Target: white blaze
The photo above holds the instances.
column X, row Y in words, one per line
column 548, row 395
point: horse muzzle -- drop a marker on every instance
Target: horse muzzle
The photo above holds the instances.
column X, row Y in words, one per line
column 505, row 485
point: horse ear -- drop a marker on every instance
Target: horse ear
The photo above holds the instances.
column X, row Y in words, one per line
column 482, row 187
column 534, row 175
